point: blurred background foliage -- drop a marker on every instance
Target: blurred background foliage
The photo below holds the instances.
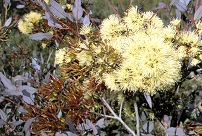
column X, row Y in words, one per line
column 17, row 49
column 101, row 9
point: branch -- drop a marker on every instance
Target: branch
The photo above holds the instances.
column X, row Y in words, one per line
column 117, row 117
column 121, row 107
column 137, row 118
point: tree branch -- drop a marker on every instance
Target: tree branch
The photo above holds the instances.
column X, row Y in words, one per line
column 117, row 117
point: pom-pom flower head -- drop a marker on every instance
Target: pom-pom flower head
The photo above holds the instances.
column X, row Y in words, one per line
column 85, row 29
column 26, row 25
column 62, row 56
column 111, row 27
column 133, row 53
column 149, row 62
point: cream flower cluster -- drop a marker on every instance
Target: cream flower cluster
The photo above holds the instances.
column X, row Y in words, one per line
column 26, row 24
column 148, row 64
column 62, row 56
column 136, row 52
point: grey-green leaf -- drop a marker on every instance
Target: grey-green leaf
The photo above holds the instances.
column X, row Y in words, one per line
column 181, row 6
column 174, row 2
column 57, row 9
column 198, row 14
column 40, row 36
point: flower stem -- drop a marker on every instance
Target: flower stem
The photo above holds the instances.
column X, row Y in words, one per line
column 137, row 118
column 118, row 118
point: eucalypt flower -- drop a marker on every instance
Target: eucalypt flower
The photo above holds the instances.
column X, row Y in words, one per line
column 131, row 53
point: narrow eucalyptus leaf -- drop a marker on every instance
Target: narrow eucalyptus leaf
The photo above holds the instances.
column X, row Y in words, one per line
column 86, row 20
column 16, row 123
column 8, row 21
column 7, row 83
column 178, row 13
column 43, row 133
column 28, row 124
column 40, row 36
column 3, row 115
column 174, row 2
column 198, row 14
column 181, row 7
column 148, row 99
column 77, row 10
column 1, row 99
column 148, row 127
column 71, row 125
column 20, row 6
column 57, row 9
column 100, row 122
column 2, row 122
column 175, row 131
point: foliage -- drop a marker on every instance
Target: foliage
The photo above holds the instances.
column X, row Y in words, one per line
column 100, row 67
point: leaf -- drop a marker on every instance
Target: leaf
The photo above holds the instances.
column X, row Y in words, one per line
column 35, row 65
column 28, row 100
column 28, row 133
column 174, row 131
column 83, row 126
column 16, row 123
column 52, row 21
column 21, row 109
column 87, row 126
column 100, row 122
column 160, row 5
column 25, row 93
column 166, row 120
column 198, row 14
column 1, row 99
column 77, row 10
column 174, row 2
column 7, row 3
column 67, row 133
column 44, row 5
column 28, row 124
column 20, row 6
column 11, row 92
column 40, row 36
column 148, row 98
column 59, row 115
column 19, row 78
column 7, row 83
column 143, row 116
column 186, row 2
column 148, row 127
column 178, row 13
column 70, row 16
column 181, row 7
column 29, row 89
column 92, row 126
column 47, row 77
column 86, row 20
column 8, row 21
column 71, row 125
column 57, row 9
column 3, row 115
column 43, row 134
column 2, row 122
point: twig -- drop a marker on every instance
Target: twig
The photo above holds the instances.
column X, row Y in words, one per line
column 121, row 107
column 49, row 56
column 117, row 117
column 112, row 7
column 107, row 116
column 137, row 118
